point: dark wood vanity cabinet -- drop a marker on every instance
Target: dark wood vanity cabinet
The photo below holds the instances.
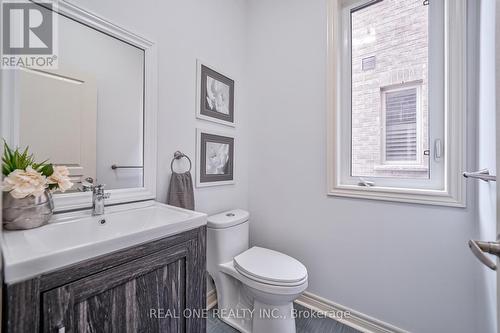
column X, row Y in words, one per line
column 153, row 287
column 125, row 298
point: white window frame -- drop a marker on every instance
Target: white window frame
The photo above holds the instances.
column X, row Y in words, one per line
column 451, row 189
column 410, row 165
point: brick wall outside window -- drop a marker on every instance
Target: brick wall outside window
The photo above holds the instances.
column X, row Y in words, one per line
column 395, row 32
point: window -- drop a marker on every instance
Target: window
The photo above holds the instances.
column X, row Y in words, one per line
column 396, row 68
column 400, row 120
column 403, row 145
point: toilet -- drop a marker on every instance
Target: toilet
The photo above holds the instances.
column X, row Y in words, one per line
column 255, row 286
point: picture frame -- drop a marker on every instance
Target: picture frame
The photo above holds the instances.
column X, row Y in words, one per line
column 214, row 158
column 214, row 95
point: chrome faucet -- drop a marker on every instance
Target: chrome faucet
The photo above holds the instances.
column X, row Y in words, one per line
column 98, row 195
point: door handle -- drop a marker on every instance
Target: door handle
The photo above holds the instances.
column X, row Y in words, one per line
column 483, row 174
column 479, row 249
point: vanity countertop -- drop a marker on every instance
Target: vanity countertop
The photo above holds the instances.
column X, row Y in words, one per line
column 73, row 237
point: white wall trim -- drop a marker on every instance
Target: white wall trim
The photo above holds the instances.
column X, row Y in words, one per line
column 211, row 299
column 356, row 320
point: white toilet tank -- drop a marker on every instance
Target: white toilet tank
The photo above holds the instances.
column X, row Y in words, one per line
column 227, row 236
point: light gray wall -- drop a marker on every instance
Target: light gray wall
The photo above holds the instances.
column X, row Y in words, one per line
column 408, row 265
column 214, row 31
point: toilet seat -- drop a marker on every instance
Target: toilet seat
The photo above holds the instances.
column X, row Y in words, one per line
column 283, row 290
column 270, row 267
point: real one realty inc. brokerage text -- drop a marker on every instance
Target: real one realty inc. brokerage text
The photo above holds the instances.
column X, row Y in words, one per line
column 161, row 313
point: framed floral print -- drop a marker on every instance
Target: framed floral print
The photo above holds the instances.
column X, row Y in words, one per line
column 215, row 95
column 215, row 159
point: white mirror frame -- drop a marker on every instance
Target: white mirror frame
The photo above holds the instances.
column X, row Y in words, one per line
column 82, row 200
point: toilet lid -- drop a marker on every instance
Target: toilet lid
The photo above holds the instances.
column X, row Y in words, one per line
column 270, row 266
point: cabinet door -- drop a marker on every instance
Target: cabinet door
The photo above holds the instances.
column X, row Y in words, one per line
column 128, row 298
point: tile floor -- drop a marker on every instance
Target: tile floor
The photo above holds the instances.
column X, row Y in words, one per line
column 304, row 325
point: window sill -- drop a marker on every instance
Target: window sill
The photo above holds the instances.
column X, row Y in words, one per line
column 400, row 167
column 415, row 196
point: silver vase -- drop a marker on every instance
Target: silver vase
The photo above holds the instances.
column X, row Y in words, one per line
column 26, row 213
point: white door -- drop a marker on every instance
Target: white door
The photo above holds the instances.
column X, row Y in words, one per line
column 497, row 108
column 487, row 221
column 58, row 119
column 496, row 151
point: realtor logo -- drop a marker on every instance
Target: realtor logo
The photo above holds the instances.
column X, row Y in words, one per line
column 28, row 35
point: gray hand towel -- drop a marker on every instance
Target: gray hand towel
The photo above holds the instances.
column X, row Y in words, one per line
column 180, row 190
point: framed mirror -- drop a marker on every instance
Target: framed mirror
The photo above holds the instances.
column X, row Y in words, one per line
column 94, row 113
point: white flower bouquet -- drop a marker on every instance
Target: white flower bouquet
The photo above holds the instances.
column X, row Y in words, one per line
column 29, row 185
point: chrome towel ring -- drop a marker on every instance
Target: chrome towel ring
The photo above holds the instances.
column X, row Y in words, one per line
column 177, row 156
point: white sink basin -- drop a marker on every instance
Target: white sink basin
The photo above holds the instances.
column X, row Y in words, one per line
column 73, row 237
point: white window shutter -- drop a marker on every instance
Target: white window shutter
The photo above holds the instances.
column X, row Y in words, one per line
column 401, row 125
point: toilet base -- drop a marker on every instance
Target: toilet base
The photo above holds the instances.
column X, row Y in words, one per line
column 265, row 318
column 254, row 307
column 273, row 318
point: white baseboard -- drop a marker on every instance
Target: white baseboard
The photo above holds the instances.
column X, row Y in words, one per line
column 355, row 319
column 211, row 299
